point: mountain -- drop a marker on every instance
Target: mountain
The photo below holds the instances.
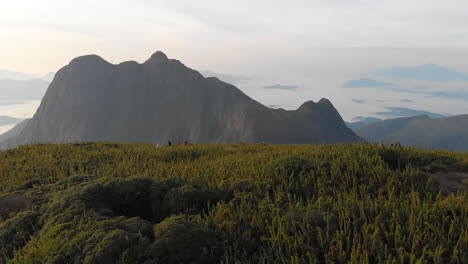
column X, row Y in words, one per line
column 5, row 74
column 162, row 99
column 449, row 133
column 8, row 120
column 48, row 77
column 15, row 131
column 362, row 121
column 22, row 90
column 406, row 112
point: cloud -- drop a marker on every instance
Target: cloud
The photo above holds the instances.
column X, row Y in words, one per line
column 406, row 112
column 232, row 79
column 406, row 100
column 427, row 72
column 359, row 101
column 11, row 102
column 365, row 82
column 406, row 86
column 461, row 95
column 281, row 87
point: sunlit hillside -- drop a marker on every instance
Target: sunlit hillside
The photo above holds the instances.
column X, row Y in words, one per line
column 136, row 203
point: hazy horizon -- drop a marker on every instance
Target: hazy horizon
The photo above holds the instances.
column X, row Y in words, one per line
column 284, row 53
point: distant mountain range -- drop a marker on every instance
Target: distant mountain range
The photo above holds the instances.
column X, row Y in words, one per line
column 6, row 74
column 22, row 90
column 161, row 100
column 450, row 133
column 48, row 77
column 362, row 121
column 406, row 112
column 8, row 120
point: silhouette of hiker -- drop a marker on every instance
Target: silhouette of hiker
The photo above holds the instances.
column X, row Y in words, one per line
column 186, row 143
column 169, row 143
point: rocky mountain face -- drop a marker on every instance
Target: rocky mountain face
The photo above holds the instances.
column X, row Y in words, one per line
column 162, row 99
column 450, row 133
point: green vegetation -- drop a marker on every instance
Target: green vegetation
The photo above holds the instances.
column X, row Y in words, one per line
column 135, row 203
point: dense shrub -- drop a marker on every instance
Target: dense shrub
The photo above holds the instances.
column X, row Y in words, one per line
column 13, row 203
column 234, row 203
column 16, row 232
column 179, row 240
column 142, row 196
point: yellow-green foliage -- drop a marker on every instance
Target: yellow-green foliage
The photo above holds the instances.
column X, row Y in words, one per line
column 135, row 203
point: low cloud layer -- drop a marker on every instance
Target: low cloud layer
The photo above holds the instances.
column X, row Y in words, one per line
column 281, row 87
column 232, row 79
column 406, row 112
column 428, row 72
column 365, row 82
column 359, row 101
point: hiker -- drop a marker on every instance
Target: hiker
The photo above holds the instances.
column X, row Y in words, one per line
column 186, row 143
column 169, row 143
column 178, row 143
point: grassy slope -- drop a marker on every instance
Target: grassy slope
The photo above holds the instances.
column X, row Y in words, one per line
column 98, row 203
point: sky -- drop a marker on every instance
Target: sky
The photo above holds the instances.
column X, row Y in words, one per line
column 286, row 52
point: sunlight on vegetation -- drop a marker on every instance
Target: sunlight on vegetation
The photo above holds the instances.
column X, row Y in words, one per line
column 236, row 203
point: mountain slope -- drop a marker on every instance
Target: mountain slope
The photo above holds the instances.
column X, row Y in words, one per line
column 160, row 100
column 15, row 131
column 445, row 133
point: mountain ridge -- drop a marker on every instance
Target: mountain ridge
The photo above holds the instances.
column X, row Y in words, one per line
column 450, row 133
column 161, row 99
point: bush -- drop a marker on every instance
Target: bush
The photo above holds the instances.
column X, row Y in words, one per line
column 179, row 240
column 12, row 204
column 16, row 232
column 142, row 197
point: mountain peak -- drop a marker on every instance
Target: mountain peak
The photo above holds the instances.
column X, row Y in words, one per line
column 311, row 104
column 324, row 101
column 307, row 105
column 88, row 59
column 158, row 56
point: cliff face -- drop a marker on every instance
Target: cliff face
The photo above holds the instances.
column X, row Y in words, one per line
column 162, row 99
